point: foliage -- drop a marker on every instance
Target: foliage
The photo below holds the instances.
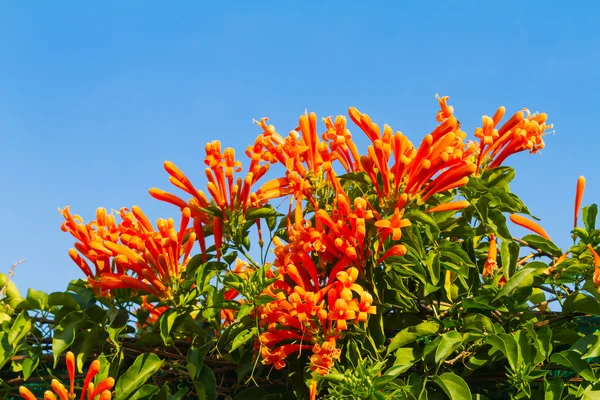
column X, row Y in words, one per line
column 391, row 274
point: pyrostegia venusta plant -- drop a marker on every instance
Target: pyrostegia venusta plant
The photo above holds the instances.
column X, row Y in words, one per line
column 360, row 234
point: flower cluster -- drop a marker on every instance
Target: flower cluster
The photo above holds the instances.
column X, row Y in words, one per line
column 336, row 229
column 131, row 254
column 88, row 390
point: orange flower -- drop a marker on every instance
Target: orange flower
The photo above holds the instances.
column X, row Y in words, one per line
column 313, row 390
column 523, row 131
column 398, row 250
column 451, row 206
column 551, row 269
column 156, row 257
column 393, row 226
column 596, row 265
column 529, row 224
column 578, row 196
column 490, row 262
column 102, row 390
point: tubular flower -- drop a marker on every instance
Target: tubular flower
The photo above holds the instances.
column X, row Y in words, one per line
column 393, row 226
column 154, row 310
column 523, row 131
column 131, row 254
column 451, row 206
column 301, row 318
column 596, row 265
column 558, row 261
column 578, row 197
column 490, row 262
column 102, row 390
column 228, row 193
column 529, row 224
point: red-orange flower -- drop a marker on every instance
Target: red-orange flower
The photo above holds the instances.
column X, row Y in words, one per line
column 523, row 131
column 131, row 254
column 490, row 262
column 578, row 196
column 102, row 390
column 529, row 224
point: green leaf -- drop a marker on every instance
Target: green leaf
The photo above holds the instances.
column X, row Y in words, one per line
column 406, row 357
column 508, row 347
column 412, row 333
column 64, row 334
column 37, row 300
column 497, row 177
column 243, row 337
column 523, row 277
column 195, row 359
column 143, row 368
column 206, row 386
column 427, row 220
column 449, row 343
column 579, row 302
column 92, row 338
column 477, row 323
column 588, row 346
column 543, row 244
column 589, row 217
column 146, row 392
column 454, row 386
column 572, row 359
column 167, row 319
column 63, row 299
column 30, row 364
column 433, row 266
column 509, row 254
column 553, row 389
column 262, row 212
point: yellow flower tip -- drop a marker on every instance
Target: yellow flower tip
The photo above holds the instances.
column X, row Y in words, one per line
column 48, row 395
column 529, row 224
column 578, row 196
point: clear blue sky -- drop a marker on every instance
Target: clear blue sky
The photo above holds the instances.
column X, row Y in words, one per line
column 94, row 97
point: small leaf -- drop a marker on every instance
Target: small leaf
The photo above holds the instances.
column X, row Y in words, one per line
column 243, row 337
column 454, row 386
column 589, row 214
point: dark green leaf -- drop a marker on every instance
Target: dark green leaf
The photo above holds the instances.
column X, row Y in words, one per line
column 143, row 368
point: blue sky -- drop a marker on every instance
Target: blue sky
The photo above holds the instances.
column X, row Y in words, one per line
column 93, row 98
